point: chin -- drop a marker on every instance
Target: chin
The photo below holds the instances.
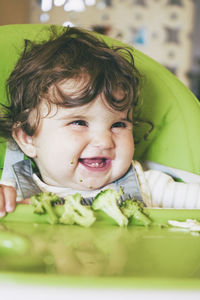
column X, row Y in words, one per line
column 89, row 186
column 98, row 182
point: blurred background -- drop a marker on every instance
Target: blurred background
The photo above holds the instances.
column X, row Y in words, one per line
column 166, row 30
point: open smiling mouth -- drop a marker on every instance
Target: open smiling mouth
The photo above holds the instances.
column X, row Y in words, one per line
column 96, row 163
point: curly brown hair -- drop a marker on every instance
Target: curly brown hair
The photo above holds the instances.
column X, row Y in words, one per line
column 69, row 54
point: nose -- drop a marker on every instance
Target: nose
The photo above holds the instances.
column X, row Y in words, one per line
column 103, row 140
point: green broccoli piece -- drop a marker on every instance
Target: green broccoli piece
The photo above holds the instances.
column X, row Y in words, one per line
column 107, row 201
column 76, row 213
column 67, row 216
column 131, row 208
column 43, row 203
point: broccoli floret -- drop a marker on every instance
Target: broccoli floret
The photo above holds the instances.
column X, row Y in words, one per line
column 76, row 213
column 43, row 203
column 131, row 208
column 67, row 216
column 73, row 212
column 107, row 201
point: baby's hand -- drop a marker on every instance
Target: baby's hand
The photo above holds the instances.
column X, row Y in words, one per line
column 8, row 196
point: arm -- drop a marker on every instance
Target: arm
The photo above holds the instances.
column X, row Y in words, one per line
column 8, row 196
column 168, row 193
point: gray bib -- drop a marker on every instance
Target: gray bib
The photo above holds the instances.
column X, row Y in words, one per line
column 23, row 174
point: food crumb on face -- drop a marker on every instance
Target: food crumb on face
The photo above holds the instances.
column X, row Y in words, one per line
column 72, row 161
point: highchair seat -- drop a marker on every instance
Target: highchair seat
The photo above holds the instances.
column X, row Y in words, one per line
column 167, row 103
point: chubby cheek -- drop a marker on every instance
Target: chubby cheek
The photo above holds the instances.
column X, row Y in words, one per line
column 131, row 146
column 69, row 152
column 126, row 149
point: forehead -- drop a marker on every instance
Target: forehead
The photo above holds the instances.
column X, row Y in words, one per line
column 77, row 85
column 93, row 109
column 74, row 85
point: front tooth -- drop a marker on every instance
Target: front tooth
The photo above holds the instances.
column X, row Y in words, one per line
column 95, row 164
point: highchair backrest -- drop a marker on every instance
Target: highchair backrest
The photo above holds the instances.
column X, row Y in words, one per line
column 167, row 103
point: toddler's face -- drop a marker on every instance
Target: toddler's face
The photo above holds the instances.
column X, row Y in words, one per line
column 83, row 147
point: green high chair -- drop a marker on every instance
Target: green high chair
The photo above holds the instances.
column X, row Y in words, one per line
column 106, row 255
column 168, row 104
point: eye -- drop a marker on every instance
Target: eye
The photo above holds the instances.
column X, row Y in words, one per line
column 119, row 125
column 79, row 123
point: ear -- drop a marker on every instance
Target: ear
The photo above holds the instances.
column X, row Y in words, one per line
column 24, row 141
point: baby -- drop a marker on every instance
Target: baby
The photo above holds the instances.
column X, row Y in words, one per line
column 72, row 105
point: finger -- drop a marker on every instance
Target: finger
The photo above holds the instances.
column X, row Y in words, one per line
column 2, row 202
column 10, row 196
column 25, row 201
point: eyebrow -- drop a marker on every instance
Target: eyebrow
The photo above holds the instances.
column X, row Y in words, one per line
column 127, row 120
column 71, row 116
column 83, row 117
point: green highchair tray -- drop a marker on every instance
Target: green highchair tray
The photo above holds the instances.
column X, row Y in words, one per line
column 103, row 255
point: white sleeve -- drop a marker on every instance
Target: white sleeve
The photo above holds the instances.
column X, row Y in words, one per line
column 8, row 182
column 167, row 193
